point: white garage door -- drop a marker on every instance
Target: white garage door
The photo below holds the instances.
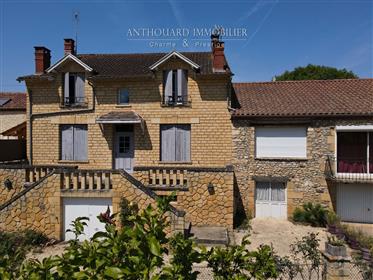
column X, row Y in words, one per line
column 355, row 202
column 270, row 200
column 84, row 207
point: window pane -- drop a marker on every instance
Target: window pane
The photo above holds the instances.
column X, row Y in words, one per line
column 352, row 152
column 262, row 191
column 124, row 97
column 277, row 191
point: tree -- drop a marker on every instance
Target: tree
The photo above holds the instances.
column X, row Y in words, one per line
column 316, row 72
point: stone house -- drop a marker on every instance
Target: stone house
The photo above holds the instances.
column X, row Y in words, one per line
column 102, row 127
column 304, row 141
column 12, row 113
column 160, row 118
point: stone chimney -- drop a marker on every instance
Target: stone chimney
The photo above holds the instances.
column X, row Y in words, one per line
column 69, row 46
column 218, row 53
column 42, row 59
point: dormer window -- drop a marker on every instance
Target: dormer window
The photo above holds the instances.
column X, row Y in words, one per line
column 73, row 85
column 175, row 87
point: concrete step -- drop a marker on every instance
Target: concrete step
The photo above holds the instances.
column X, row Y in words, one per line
column 210, row 235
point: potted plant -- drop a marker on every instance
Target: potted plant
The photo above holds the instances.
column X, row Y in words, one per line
column 352, row 237
column 333, row 222
column 365, row 247
column 335, row 247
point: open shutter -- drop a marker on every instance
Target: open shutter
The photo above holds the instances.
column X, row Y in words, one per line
column 80, row 142
column 183, row 143
column 79, row 87
column 67, row 138
column 168, row 143
column 167, row 85
column 66, row 88
column 182, row 81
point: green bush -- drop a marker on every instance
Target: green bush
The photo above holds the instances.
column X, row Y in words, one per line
column 312, row 214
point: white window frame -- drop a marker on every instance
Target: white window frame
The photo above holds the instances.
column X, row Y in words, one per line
column 290, row 157
column 119, row 94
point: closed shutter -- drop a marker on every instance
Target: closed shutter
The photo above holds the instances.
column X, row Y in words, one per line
column 281, row 142
column 67, row 138
column 79, row 87
column 182, row 81
column 168, row 143
column 66, row 87
column 80, row 142
column 183, row 143
column 167, row 76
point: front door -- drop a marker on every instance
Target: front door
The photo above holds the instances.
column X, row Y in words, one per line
column 124, row 151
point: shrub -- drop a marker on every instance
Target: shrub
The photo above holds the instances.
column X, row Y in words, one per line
column 312, row 214
column 127, row 210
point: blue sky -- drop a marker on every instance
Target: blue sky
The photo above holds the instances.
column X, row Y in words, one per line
column 280, row 34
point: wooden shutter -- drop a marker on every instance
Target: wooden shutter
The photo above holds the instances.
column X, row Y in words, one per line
column 66, row 87
column 182, row 82
column 79, row 87
column 182, row 143
column 167, row 85
column 80, row 142
column 167, row 143
column 67, row 138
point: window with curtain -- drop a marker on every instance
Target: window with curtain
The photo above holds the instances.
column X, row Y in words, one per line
column 175, row 87
column 74, row 142
column 352, row 151
column 73, row 85
column 175, row 143
column 270, row 191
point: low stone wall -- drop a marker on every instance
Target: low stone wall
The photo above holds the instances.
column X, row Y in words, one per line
column 17, row 178
column 202, row 207
column 39, row 209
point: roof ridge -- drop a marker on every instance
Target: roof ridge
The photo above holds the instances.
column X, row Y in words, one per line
column 302, row 81
column 144, row 53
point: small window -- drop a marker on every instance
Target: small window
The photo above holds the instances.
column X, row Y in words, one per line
column 123, row 97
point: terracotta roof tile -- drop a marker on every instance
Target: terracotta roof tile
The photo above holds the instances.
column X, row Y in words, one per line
column 304, row 98
column 14, row 101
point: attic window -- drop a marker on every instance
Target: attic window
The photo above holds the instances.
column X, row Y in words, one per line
column 74, row 89
column 4, row 101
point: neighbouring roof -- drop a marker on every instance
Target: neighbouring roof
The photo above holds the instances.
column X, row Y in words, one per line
column 345, row 97
column 12, row 101
column 120, row 117
column 18, row 130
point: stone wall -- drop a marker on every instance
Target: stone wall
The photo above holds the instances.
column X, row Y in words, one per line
column 306, row 180
column 41, row 207
column 201, row 206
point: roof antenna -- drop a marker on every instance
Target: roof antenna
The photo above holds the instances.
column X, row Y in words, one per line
column 76, row 22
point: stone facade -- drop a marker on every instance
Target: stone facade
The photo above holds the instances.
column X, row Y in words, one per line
column 306, row 178
column 207, row 114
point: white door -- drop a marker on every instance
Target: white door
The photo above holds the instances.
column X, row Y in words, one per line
column 75, row 207
column 355, row 202
column 270, row 200
column 124, row 151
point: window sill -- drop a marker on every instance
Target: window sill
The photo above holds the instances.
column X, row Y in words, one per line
column 123, row 106
column 73, row 161
column 175, row 162
column 280, row 159
column 74, row 106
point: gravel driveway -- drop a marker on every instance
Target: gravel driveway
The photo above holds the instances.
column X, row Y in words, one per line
column 279, row 233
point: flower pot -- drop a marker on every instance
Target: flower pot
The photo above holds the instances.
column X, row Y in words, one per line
column 339, row 233
column 332, row 229
column 365, row 254
column 353, row 243
column 337, row 251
